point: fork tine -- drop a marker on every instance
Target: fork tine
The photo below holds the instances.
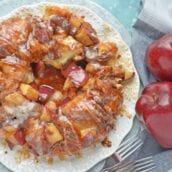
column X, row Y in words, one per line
column 125, row 147
column 148, row 169
column 144, row 164
column 144, row 159
column 134, row 137
column 141, row 165
column 145, row 167
column 118, row 166
column 131, row 151
column 127, row 142
column 128, row 148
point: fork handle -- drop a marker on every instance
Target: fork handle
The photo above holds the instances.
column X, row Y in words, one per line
column 124, row 167
column 117, row 166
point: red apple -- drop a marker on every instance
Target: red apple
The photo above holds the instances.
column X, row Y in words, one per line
column 45, row 92
column 159, row 58
column 154, row 108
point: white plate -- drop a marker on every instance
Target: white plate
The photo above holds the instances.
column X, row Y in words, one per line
column 90, row 157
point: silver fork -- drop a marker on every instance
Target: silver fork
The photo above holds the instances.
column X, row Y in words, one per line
column 141, row 165
column 125, row 150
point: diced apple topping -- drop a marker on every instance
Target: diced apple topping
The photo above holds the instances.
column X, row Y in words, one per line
column 65, row 71
column 76, row 46
column 48, row 111
column 29, row 92
column 29, row 77
column 9, row 128
column 51, row 105
column 128, row 74
column 68, row 84
column 68, row 48
column 9, row 132
column 124, row 74
column 106, row 51
column 52, row 133
column 119, row 86
column 56, row 96
column 46, row 116
column 74, row 74
column 64, row 101
column 101, row 52
column 65, row 56
column 86, row 35
column 14, row 99
column 79, row 77
column 38, row 50
column 119, row 72
column 90, row 84
column 45, row 92
column 52, row 10
column 41, row 33
column 75, row 23
column 85, row 127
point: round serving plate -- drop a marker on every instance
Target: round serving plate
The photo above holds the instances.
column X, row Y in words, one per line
column 108, row 28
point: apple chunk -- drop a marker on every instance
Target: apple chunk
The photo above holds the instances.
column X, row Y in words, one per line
column 128, row 74
column 29, row 77
column 56, row 96
column 74, row 74
column 29, row 92
column 75, row 23
column 46, row 116
column 52, row 133
column 9, row 132
column 51, row 105
column 85, row 127
column 65, row 55
column 86, row 35
column 45, row 92
column 48, row 111
column 14, row 99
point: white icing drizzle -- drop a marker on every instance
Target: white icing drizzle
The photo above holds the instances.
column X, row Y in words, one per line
column 11, row 59
column 21, row 112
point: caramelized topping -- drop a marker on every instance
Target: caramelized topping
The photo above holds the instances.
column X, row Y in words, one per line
column 52, row 77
